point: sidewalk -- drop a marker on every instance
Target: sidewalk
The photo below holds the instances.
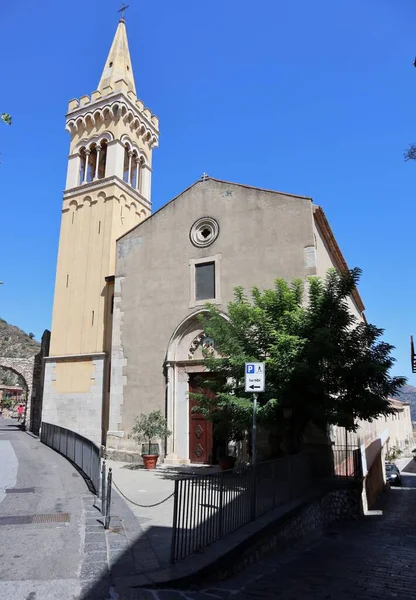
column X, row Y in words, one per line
column 149, row 488
column 139, row 538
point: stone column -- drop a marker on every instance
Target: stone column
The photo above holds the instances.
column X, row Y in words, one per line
column 97, row 162
column 87, row 157
column 138, row 174
column 130, row 164
column 171, row 456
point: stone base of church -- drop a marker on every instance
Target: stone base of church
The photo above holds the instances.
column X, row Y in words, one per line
column 73, row 394
column 133, row 456
column 123, row 455
column 174, row 460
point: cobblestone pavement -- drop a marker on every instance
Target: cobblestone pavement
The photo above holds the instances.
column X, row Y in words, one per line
column 372, row 558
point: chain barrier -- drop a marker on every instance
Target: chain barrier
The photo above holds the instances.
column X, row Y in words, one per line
column 142, row 505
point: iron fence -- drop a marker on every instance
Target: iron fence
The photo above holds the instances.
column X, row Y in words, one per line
column 347, row 462
column 78, row 449
column 208, row 507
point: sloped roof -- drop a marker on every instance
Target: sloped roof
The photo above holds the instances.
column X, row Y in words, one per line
column 208, row 178
column 335, row 250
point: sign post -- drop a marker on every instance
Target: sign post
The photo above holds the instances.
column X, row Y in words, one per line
column 255, row 379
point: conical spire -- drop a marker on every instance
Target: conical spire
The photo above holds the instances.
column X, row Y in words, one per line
column 118, row 64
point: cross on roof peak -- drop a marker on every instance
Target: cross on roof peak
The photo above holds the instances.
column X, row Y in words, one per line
column 123, row 8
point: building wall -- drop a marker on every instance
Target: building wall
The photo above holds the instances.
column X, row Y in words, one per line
column 91, row 222
column 398, row 428
column 326, row 261
column 73, row 394
column 263, row 235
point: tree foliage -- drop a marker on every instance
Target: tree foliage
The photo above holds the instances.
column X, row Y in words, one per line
column 323, row 365
column 149, row 427
column 6, row 118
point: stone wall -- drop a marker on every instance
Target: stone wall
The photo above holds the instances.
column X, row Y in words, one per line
column 38, row 378
column 73, row 398
column 23, row 367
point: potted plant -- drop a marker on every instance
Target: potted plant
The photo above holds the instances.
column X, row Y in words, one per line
column 145, row 429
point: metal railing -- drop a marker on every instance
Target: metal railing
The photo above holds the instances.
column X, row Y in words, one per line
column 78, row 449
column 208, row 507
column 347, row 462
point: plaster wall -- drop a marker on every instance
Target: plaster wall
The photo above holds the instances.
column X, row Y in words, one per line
column 326, row 261
column 263, row 235
column 91, row 222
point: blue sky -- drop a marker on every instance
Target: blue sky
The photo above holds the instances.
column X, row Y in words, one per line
column 314, row 98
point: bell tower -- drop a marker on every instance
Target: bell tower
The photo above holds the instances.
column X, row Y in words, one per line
column 107, row 192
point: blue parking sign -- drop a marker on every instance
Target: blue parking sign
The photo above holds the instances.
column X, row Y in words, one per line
column 255, row 377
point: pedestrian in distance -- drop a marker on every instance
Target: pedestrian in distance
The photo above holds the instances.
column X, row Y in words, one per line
column 20, row 410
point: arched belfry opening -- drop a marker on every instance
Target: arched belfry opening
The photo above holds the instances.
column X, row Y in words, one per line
column 93, row 160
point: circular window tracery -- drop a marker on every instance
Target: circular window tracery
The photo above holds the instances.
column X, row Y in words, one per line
column 204, row 232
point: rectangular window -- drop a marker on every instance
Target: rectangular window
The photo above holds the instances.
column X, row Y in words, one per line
column 205, row 281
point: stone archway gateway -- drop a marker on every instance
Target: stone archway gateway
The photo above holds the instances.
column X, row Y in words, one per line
column 31, row 369
column 25, row 368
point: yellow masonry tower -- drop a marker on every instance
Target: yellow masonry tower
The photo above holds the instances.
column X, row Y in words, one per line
column 107, row 193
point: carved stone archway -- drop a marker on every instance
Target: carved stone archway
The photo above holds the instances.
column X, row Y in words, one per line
column 23, row 367
column 184, row 356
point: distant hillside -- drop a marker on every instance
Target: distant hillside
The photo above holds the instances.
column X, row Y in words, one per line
column 408, row 394
column 15, row 343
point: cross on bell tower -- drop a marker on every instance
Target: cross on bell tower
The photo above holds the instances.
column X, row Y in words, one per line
column 123, row 8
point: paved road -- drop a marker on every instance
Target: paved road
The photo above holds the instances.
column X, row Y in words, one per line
column 40, row 560
column 365, row 560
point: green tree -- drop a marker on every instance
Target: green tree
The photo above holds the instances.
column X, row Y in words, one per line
column 323, row 366
column 6, row 118
column 31, row 335
column 148, row 427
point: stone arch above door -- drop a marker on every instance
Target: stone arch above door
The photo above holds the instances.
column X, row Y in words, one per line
column 184, row 357
column 188, row 339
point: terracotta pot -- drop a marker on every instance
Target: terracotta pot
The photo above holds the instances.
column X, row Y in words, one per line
column 150, row 460
column 226, row 462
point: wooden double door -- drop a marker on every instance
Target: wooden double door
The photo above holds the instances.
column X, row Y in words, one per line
column 201, row 442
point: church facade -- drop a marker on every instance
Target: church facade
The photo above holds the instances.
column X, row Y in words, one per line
column 213, row 237
column 130, row 286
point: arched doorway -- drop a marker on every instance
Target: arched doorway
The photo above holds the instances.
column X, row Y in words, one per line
column 191, row 439
column 23, row 367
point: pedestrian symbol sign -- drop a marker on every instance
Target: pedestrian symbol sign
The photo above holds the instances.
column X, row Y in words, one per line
column 255, row 377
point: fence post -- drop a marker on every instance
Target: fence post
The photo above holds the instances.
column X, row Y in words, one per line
column 289, row 477
column 108, row 500
column 220, row 509
column 253, row 496
column 175, row 523
column 103, row 468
